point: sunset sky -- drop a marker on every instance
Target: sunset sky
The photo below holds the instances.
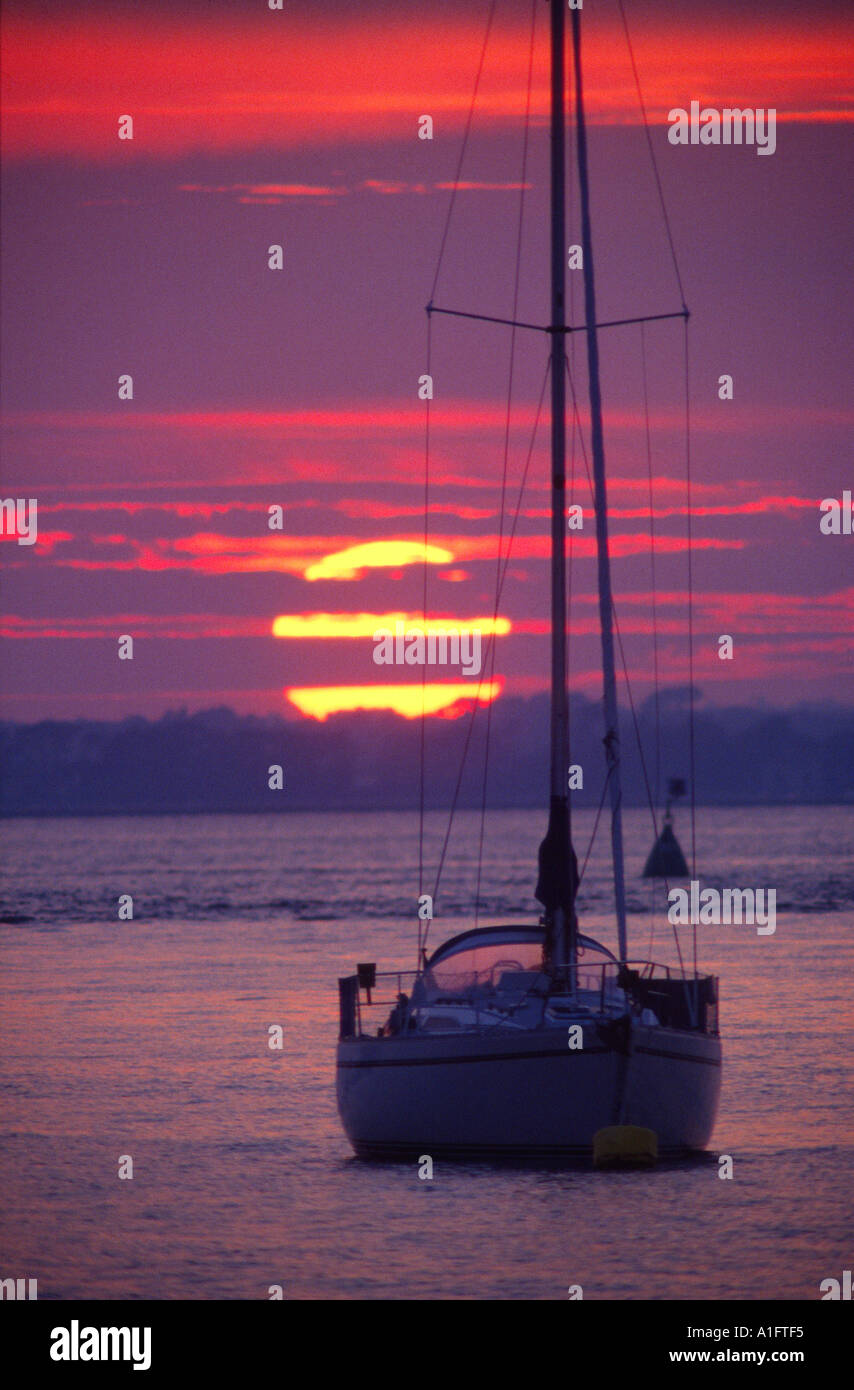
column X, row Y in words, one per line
column 298, row 388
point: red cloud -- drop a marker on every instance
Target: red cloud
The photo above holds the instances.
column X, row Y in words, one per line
column 262, row 80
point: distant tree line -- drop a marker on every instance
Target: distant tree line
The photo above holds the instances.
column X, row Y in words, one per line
column 216, row 760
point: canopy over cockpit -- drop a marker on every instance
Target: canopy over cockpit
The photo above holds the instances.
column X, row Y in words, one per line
column 482, row 955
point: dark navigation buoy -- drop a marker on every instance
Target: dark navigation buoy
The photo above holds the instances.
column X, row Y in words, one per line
column 666, row 859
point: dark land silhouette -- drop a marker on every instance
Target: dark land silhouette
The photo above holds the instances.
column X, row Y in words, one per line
column 216, row 760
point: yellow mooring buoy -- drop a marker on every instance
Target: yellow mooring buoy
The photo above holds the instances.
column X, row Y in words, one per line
column 625, row 1146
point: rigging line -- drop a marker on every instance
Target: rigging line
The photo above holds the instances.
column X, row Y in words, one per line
column 506, row 457
column 568, row 329
column 443, row 242
column 630, row 695
column 595, row 824
column 634, row 715
column 634, row 718
column 635, row 721
column 616, row 621
column 654, row 625
column 466, row 134
column 524, row 480
column 487, row 318
column 652, row 154
column 576, row 427
column 648, row 792
column 423, row 731
column 676, row 934
column 651, row 918
column 576, row 418
column 573, row 458
column 491, row 638
column 691, row 738
column 652, row 565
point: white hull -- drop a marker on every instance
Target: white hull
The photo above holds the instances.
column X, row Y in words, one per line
column 513, row 1093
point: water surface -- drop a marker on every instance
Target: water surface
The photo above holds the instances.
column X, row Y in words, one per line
column 149, row 1038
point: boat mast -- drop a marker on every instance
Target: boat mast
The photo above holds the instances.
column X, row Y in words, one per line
column 558, row 880
column 612, row 729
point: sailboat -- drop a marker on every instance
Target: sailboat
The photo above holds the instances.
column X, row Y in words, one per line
column 525, row 1041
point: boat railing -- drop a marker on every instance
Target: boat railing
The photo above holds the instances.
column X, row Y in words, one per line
column 679, row 998
column 389, row 1006
column 361, row 1008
